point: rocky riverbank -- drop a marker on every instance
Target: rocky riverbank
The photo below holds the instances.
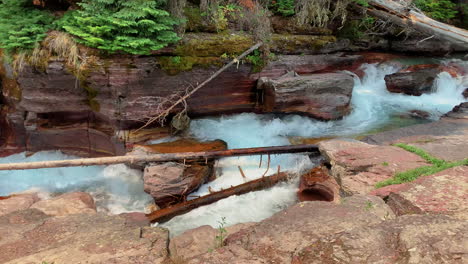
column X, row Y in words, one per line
column 422, row 221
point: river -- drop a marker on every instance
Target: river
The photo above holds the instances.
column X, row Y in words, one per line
column 118, row 188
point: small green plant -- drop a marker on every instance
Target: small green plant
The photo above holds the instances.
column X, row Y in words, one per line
column 222, row 233
column 364, row 3
column 369, row 205
column 176, row 60
column 130, row 26
column 385, row 163
column 442, row 10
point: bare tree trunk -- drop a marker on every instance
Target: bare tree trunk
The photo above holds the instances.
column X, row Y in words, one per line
column 182, row 208
column 160, row 157
column 402, row 16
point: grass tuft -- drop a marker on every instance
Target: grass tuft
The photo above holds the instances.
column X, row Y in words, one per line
column 423, row 154
column 411, row 175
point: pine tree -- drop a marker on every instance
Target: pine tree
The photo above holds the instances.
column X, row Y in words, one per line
column 22, row 25
column 131, row 26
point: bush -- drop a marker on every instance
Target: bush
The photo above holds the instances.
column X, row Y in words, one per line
column 282, row 7
column 131, row 26
column 442, row 10
column 22, row 26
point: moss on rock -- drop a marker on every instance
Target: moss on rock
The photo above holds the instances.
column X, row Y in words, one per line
column 294, row 44
column 214, row 45
column 176, row 64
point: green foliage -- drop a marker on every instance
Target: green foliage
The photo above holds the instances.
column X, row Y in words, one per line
column 283, row 7
column 357, row 29
column 131, row 26
column 364, row 3
column 258, row 60
column 22, row 26
column 411, row 175
column 442, row 10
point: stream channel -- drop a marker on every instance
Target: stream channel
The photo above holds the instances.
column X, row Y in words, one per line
column 118, row 189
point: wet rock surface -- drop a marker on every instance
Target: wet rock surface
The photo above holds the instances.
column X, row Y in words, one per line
column 30, row 236
column 445, row 139
column 358, row 166
column 415, row 80
column 171, row 182
column 324, row 96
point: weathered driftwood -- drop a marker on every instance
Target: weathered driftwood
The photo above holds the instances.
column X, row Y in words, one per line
column 160, row 157
column 182, row 208
column 402, row 16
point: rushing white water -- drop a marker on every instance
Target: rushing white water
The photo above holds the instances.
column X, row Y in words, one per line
column 373, row 107
column 118, row 188
column 115, row 188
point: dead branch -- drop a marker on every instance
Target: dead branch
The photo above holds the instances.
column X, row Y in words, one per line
column 163, row 114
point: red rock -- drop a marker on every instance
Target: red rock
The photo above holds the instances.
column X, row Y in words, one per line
column 414, row 80
column 17, row 202
column 407, row 239
column 67, row 204
column 274, row 240
column 79, row 238
column 358, row 166
column 171, row 182
column 324, row 96
column 136, row 218
column 318, row 185
column 445, row 192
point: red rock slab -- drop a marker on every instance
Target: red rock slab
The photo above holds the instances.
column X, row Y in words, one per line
column 67, row 204
column 17, row 202
column 445, row 192
column 358, row 166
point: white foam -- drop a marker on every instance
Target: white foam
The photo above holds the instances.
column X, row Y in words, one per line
column 373, row 107
column 115, row 188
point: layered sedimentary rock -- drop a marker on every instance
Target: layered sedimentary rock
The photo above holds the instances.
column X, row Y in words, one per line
column 324, row 96
column 171, row 182
column 415, row 80
column 95, row 115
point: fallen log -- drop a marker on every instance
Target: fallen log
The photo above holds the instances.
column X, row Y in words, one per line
column 166, row 214
column 405, row 17
column 132, row 159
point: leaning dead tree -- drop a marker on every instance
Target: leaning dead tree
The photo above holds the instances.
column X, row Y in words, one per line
column 406, row 17
column 160, row 116
column 313, row 149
